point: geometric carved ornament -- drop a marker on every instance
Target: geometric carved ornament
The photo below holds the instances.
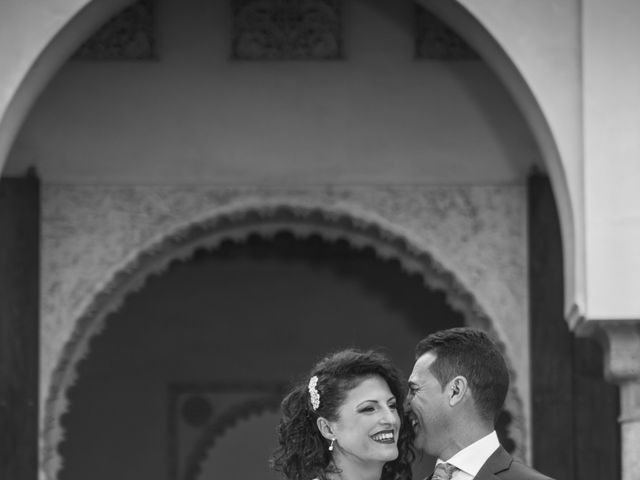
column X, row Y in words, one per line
column 129, row 35
column 286, row 29
column 436, row 41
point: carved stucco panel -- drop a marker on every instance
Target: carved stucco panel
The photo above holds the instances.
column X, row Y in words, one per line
column 89, row 233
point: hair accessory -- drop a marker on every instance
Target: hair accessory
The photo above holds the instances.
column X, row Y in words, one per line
column 331, row 445
column 313, row 392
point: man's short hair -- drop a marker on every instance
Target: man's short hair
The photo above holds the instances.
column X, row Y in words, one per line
column 472, row 354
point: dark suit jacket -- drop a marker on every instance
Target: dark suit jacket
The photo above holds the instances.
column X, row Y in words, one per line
column 501, row 466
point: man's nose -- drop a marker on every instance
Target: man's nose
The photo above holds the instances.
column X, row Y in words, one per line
column 407, row 402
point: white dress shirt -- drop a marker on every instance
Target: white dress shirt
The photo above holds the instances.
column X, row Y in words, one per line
column 470, row 459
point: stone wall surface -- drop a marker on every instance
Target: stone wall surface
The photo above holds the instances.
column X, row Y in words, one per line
column 90, row 234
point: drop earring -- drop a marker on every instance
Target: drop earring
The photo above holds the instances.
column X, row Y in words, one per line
column 331, row 444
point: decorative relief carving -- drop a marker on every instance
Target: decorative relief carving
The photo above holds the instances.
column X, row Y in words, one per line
column 130, row 35
column 435, row 41
column 99, row 244
column 287, row 29
column 228, row 404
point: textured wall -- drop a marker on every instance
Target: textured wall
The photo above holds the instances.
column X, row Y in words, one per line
column 92, row 234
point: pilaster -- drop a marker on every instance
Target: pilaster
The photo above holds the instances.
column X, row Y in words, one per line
column 621, row 342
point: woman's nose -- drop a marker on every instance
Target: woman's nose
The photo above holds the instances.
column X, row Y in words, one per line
column 389, row 416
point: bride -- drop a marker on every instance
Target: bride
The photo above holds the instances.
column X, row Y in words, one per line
column 346, row 421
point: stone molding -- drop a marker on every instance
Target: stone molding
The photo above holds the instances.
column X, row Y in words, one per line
column 621, row 342
column 101, row 243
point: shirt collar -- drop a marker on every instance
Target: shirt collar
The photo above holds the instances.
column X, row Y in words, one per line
column 471, row 458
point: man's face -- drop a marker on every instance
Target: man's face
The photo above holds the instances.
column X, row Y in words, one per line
column 428, row 407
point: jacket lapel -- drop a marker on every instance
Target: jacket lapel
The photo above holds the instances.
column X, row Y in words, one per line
column 498, row 462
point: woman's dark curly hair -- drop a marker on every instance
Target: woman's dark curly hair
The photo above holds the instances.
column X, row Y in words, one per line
column 302, row 452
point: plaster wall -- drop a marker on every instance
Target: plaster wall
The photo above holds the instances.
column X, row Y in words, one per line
column 543, row 40
column 195, row 116
column 612, row 151
column 35, row 42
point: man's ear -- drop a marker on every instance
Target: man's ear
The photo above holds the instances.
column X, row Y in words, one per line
column 458, row 389
column 325, row 428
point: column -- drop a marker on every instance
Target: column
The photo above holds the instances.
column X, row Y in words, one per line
column 621, row 341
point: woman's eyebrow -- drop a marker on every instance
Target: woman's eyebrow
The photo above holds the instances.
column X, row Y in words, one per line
column 391, row 398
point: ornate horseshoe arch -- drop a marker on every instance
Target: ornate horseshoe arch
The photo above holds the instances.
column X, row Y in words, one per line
column 359, row 229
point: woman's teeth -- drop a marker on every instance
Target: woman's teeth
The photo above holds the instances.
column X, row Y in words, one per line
column 384, row 437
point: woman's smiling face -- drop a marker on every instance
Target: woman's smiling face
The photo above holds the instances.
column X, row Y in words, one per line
column 368, row 423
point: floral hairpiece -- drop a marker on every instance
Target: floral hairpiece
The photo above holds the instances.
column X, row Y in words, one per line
column 313, row 392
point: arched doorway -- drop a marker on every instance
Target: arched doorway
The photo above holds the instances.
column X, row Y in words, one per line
column 204, row 330
column 44, row 81
column 74, row 21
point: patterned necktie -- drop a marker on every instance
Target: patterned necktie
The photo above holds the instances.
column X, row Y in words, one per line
column 443, row 471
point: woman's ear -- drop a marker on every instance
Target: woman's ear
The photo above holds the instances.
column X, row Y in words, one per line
column 325, row 428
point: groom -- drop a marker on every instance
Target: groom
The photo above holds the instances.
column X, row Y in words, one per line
column 456, row 391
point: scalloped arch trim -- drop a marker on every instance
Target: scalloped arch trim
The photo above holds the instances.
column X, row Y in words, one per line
column 359, row 229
